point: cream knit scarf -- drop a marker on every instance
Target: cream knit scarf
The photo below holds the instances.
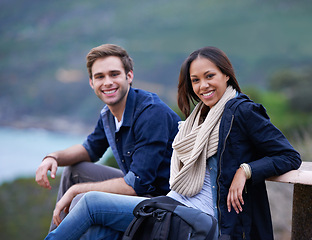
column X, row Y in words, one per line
column 194, row 144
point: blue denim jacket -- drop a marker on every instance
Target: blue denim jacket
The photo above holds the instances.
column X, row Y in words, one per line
column 142, row 146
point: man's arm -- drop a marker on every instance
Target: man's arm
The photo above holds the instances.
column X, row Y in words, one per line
column 69, row 156
column 116, row 185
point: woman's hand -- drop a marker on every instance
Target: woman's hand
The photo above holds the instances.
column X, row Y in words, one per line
column 235, row 196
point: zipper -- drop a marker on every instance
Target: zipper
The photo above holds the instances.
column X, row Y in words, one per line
column 218, row 205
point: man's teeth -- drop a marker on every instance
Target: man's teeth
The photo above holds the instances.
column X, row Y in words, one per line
column 109, row 92
column 207, row 94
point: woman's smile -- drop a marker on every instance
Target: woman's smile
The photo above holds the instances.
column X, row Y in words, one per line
column 208, row 82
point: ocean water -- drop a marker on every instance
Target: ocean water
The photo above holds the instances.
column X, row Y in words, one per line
column 22, row 150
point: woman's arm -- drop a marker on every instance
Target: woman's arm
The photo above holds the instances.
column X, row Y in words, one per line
column 275, row 155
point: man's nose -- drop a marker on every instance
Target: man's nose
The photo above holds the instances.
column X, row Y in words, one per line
column 107, row 81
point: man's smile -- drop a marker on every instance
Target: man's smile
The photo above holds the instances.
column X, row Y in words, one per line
column 107, row 92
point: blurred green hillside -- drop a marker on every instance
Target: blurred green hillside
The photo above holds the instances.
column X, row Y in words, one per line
column 43, row 45
column 26, row 209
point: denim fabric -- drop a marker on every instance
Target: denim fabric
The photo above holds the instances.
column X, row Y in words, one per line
column 212, row 165
column 83, row 172
column 112, row 212
column 142, row 146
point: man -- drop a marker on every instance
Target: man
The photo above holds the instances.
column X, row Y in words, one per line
column 137, row 126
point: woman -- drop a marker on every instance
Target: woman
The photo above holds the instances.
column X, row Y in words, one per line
column 247, row 146
column 222, row 155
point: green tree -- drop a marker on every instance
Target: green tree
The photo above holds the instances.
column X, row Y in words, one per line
column 296, row 84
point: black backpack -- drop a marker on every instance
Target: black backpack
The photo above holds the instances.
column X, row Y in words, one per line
column 164, row 218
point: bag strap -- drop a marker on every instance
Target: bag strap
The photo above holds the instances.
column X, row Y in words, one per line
column 163, row 225
column 132, row 228
column 161, row 202
column 148, row 208
column 212, row 230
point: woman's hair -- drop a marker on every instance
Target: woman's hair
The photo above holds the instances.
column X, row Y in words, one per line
column 186, row 95
column 107, row 50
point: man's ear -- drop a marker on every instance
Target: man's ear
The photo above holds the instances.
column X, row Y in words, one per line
column 129, row 76
column 91, row 83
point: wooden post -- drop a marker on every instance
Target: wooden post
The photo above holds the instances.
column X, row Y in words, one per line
column 302, row 212
column 302, row 200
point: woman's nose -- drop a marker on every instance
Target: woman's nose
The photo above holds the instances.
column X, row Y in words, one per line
column 204, row 84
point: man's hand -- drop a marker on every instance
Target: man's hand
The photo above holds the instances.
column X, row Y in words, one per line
column 63, row 204
column 42, row 172
column 235, row 196
column 115, row 185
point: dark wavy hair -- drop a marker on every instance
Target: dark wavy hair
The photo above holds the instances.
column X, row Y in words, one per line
column 186, row 95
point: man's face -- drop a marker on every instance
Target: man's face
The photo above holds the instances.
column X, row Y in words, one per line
column 110, row 82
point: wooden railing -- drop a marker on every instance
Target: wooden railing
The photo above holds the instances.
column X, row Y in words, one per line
column 302, row 200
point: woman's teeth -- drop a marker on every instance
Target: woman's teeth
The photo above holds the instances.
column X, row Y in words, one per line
column 207, row 94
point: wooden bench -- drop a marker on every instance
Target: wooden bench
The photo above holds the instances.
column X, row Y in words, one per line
column 302, row 200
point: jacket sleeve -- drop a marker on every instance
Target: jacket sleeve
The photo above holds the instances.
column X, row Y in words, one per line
column 154, row 132
column 275, row 155
column 96, row 143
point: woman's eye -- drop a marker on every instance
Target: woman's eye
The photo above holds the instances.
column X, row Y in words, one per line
column 194, row 80
column 210, row 76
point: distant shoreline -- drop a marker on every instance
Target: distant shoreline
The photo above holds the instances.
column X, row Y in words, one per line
column 53, row 124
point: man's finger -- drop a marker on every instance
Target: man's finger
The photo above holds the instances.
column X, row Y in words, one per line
column 44, row 182
column 42, row 178
column 53, row 171
column 56, row 217
column 56, row 220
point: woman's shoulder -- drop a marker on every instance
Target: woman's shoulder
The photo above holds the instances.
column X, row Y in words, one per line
column 241, row 101
column 243, row 106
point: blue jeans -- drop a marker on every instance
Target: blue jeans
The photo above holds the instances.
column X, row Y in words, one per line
column 83, row 172
column 112, row 212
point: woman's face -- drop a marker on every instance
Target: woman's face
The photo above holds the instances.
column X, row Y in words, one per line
column 208, row 82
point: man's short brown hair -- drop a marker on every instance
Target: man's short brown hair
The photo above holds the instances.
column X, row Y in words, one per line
column 107, row 50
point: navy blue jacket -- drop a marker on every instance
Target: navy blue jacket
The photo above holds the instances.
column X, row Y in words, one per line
column 247, row 136
column 143, row 145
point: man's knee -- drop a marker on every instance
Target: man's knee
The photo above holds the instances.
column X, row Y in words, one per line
column 76, row 200
column 87, row 197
